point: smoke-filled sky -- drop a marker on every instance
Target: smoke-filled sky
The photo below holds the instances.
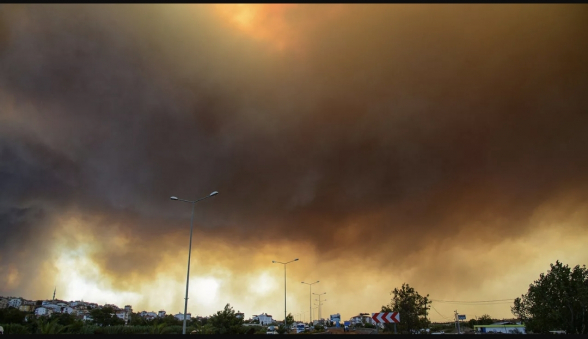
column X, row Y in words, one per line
column 445, row 146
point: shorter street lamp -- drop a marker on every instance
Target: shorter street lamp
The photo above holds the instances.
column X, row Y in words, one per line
column 310, row 297
column 319, row 299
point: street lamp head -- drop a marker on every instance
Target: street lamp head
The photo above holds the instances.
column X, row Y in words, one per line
column 174, row 198
column 214, row 193
column 296, row 259
column 273, row 261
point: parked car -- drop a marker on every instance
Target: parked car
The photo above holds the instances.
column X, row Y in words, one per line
column 300, row 327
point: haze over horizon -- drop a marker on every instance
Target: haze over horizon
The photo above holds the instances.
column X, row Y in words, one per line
column 443, row 146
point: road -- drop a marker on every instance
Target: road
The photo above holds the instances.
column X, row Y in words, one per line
column 335, row 330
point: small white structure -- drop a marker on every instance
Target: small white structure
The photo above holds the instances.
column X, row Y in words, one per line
column 3, row 302
column 68, row 310
column 362, row 318
column 148, row 315
column 161, row 314
column 264, row 318
column 16, row 302
column 180, row 316
column 122, row 314
column 42, row 311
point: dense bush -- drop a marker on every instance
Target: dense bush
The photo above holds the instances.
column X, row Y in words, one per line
column 15, row 329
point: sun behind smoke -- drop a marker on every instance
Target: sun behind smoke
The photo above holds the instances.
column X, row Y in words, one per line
column 262, row 22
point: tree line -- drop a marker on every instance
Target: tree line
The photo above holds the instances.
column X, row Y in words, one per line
column 104, row 321
column 558, row 300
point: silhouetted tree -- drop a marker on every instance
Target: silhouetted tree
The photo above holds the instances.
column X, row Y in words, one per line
column 289, row 320
column 105, row 316
column 12, row 315
column 412, row 307
column 557, row 300
column 226, row 321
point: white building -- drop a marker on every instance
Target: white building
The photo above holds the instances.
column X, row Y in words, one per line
column 148, row 315
column 68, row 310
column 3, row 303
column 15, row 302
column 264, row 318
column 362, row 318
column 123, row 314
column 180, row 316
column 43, row 311
column 161, row 314
column 53, row 308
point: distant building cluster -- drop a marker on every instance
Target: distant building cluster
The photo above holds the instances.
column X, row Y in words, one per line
column 81, row 309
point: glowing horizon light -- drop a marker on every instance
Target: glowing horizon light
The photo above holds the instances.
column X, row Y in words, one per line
column 262, row 22
column 73, row 284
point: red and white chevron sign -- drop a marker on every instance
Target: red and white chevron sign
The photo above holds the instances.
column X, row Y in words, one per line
column 386, row 317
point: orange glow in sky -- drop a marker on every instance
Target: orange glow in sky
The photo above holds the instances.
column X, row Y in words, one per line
column 264, row 22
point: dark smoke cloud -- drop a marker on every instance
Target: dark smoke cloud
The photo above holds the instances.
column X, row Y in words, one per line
column 390, row 131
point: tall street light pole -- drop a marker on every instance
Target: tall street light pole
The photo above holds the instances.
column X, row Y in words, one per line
column 190, row 250
column 284, row 263
column 310, row 298
column 319, row 295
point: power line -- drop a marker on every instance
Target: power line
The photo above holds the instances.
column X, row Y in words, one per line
column 483, row 304
column 470, row 302
column 439, row 313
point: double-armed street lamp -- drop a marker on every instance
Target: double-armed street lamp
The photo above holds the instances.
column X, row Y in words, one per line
column 310, row 298
column 284, row 263
column 319, row 300
column 190, row 250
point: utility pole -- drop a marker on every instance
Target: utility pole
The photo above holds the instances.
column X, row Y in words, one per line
column 457, row 322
